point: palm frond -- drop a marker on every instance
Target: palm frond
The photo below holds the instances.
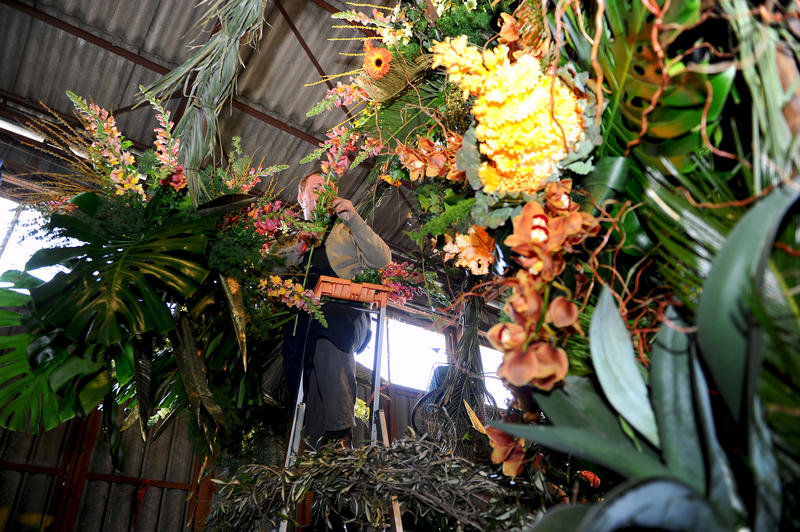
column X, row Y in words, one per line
column 208, row 79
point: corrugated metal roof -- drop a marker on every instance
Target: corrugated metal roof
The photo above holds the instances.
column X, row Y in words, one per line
column 40, row 61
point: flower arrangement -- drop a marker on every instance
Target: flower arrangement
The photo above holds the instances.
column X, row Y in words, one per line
column 292, row 294
column 108, row 149
column 527, row 121
column 538, row 211
column 404, row 280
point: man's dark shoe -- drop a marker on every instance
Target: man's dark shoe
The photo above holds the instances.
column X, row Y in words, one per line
column 338, row 439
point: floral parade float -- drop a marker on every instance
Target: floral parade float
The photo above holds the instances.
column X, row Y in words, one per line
column 578, row 167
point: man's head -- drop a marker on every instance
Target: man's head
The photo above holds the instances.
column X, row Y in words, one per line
column 307, row 192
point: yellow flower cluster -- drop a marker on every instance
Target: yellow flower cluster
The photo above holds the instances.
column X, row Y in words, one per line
column 287, row 291
column 515, row 106
column 361, row 410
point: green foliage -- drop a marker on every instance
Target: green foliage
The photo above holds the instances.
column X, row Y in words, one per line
column 313, row 156
column 235, row 251
column 452, row 215
column 670, row 379
column 475, row 24
column 114, row 286
column 42, row 383
column 631, row 71
column 492, row 212
column 239, row 176
column 320, row 107
column 585, row 425
column 630, row 506
column 400, row 120
column 361, row 480
column 430, row 198
column 738, row 268
column 457, row 20
column 214, row 66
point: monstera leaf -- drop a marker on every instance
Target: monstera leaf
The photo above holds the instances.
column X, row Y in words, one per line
column 43, row 382
column 117, row 284
column 630, row 67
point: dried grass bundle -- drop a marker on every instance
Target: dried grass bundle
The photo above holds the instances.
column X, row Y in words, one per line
column 402, row 74
column 438, row 489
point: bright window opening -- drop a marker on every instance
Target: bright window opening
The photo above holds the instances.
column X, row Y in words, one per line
column 491, row 359
column 21, row 246
column 415, row 352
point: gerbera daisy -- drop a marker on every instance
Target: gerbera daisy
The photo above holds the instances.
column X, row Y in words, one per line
column 376, row 60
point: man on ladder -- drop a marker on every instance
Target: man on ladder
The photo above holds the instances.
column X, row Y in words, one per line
column 325, row 355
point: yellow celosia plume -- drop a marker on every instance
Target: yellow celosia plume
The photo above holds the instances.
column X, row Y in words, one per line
column 527, row 120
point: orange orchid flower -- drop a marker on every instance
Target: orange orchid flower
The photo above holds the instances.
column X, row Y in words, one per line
column 541, row 365
column 562, row 312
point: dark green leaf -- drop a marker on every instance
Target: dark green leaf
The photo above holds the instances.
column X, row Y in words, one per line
column 95, row 390
column 26, row 400
column 20, row 279
column 654, row 504
column 607, row 181
column 670, row 381
column 579, row 405
column 765, row 473
column 561, row 518
column 615, row 365
column 722, row 313
column 224, row 204
column 195, row 383
column 123, row 364
column 69, row 369
column 468, row 158
column 12, row 298
column 88, row 202
column 590, row 446
column 141, row 351
column 53, row 256
column 117, row 289
column 630, row 66
column 43, row 350
column 404, row 117
column 9, row 318
column 721, row 484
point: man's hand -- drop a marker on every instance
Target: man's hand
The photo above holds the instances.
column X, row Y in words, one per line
column 305, row 240
column 343, row 208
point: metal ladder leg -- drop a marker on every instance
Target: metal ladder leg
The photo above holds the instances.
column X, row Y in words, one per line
column 376, row 374
column 295, row 437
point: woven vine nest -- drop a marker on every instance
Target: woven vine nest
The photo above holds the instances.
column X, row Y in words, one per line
column 435, row 489
column 402, row 73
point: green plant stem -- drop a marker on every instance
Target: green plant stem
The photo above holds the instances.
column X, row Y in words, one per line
column 305, row 279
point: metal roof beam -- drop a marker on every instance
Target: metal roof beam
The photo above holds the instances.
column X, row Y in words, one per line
column 40, row 109
column 308, row 51
column 150, row 65
column 85, row 35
